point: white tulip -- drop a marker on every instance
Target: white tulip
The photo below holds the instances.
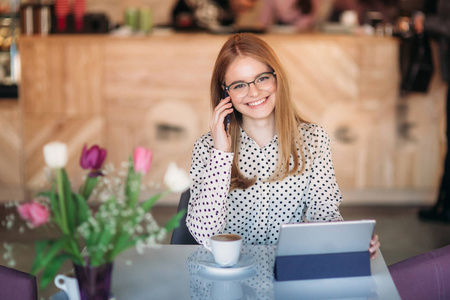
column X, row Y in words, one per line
column 55, row 155
column 176, row 179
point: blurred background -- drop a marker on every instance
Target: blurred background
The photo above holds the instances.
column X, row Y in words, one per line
column 137, row 72
column 123, row 73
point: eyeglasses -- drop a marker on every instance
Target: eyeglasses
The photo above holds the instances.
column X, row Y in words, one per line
column 263, row 82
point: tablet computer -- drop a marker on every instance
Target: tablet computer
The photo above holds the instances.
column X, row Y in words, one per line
column 325, row 237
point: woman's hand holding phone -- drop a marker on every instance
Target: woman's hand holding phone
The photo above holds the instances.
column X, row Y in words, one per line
column 222, row 140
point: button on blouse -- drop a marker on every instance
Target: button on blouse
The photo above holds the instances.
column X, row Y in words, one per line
column 257, row 212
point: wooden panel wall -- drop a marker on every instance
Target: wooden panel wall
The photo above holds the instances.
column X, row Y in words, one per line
column 11, row 182
column 61, row 97
column 154, row 91
column 158, row 96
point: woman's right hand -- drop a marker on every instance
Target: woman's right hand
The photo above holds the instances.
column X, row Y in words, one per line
column 222, row 140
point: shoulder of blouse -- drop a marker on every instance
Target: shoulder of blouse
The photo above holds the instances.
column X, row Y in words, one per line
column 205, row 140
column 312, row 128
column 313, row 134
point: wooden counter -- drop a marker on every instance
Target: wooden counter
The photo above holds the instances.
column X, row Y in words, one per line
column 154, row 91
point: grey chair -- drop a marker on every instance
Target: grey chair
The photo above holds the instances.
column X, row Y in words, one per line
column 17, row 285
column 181, row 234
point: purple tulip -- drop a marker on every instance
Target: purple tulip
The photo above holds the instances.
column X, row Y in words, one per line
column 92, row 158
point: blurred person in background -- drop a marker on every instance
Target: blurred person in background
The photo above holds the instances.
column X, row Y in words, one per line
column 298, row 13
column 436, row 22
column 208, row 14
column 363, row 7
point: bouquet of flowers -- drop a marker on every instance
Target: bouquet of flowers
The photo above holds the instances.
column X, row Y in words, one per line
column 94, row 235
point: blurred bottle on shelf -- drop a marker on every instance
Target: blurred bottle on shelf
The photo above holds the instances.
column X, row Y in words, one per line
column 79, row 11
column 145, row 20
column 27, row 18
column 132, row 18
column 139, row 20
column 61, row 12
column 36, row 18
column 43, row 18
column 9, row 54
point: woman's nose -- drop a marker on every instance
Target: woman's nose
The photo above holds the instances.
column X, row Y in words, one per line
column 252, row 89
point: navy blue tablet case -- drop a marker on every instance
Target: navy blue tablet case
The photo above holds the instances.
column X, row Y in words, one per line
column 326, row 265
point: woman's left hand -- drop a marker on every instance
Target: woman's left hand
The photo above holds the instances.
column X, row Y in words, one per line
column 374, row 246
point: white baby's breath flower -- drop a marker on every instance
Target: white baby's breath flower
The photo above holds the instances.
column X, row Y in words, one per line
column 8, row 254
column 140, row 247
column 151, row 242
column 9, row 221
column 176, row 179
column 149, row 217
column 151, row 224
column 161, row 234
column 55, row 155
column 108, row 168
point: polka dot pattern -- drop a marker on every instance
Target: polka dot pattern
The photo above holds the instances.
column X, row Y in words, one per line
column 257, row 213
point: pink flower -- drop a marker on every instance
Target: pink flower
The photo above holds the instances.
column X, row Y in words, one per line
column 92, row 158
column 33, row 212
column 142, row 159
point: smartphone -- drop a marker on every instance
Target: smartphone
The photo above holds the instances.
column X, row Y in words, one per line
column 228, row 117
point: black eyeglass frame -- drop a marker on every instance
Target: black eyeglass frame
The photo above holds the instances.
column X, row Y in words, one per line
column 227, row 88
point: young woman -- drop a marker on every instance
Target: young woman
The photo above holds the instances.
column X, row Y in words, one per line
column 268, row 166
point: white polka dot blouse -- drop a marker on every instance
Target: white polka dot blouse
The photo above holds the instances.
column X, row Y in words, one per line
column 257, row 212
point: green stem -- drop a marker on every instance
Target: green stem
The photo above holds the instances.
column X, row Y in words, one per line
column 76, row 253
column 165, row 193
column 62, row 203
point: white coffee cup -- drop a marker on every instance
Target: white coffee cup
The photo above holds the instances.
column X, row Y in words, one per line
column 69, row 285
column 226, row 248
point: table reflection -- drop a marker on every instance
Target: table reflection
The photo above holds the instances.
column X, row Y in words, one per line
column 177, row 272
column 343, row 288
column 255, row 282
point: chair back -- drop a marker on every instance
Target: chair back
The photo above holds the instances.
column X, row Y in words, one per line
column 181, row 234
column 425, row 276
column 17, row 285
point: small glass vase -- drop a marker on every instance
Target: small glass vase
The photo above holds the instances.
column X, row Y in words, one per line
column 94, row 282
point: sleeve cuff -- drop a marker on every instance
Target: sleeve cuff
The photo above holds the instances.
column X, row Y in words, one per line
column 222, row 156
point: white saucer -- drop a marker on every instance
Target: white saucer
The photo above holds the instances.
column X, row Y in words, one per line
column 242, row 268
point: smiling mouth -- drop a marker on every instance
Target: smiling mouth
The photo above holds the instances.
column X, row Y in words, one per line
column 257, row 102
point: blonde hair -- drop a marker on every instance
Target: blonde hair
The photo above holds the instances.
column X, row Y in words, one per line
column 287, row 118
